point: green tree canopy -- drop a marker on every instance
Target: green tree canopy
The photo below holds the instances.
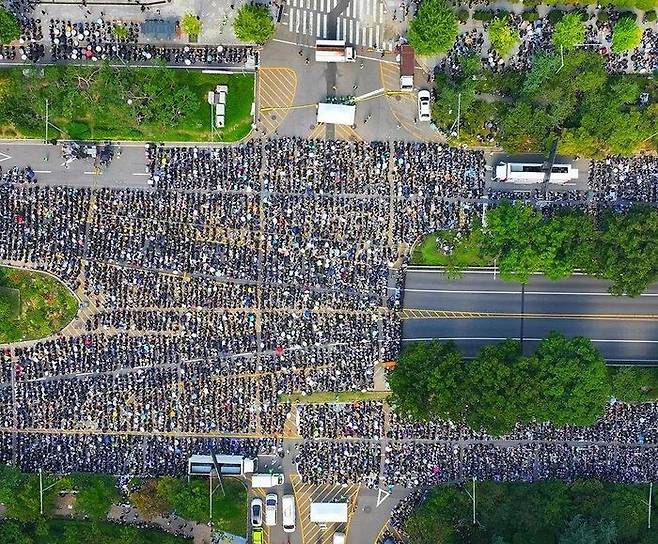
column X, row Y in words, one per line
column 569, row 31
column 433, row 29
column 10, row 30
column 628, row 252
column 502, row 37
column 427, row 383
column 253, row 23
column 191, row 25
column 626, row 35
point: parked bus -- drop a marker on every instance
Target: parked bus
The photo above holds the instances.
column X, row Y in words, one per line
column 201, row 465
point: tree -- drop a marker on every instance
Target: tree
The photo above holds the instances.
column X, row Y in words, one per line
column 96, row 494
column 253, row 23
column 119, row 31
column 502, row 37
column 626, row 35
column 525, row 127
column 515, row 235
column 151, row 499
column 573, row 381
column 628, row 252
column 433, row 29
column 582, row 531
column 427, row 381
column 191, row 25
column 10, row 30
column 569, row 31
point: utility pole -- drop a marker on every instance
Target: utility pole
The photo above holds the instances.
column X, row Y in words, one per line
column 473, row 500
column 522, row 314
column 210, row 494
column 40, row 475
column 459, row 111
column 46, row 121
column 649, row 504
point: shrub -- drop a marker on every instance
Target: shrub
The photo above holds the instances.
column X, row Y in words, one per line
column 483, row 15
column 646, row 5
column 530, row 16
column 502, row 37
column 78, row 130
column 602, row 16
column 463, row 15
column 9, row 27
column 531, row 3
column 569, row 31
column 555, row 16
column 253, row 24
column 626, row 35
column 191, row 25
column 650, row 16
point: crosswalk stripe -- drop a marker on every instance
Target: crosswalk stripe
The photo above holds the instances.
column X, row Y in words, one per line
column 317, row 25
column 353, row 6
column 367, row 2
column 377, row 36
column 303, row 22
column 291, row 18
column 352, row 31
column 369, row 44
column 363, row 38
column 315, row 5
column 324, row 26
column 381, row 12
column 356, row 33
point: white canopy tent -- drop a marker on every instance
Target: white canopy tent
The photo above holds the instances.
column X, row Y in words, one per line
column 336, row 114
column 329, row 512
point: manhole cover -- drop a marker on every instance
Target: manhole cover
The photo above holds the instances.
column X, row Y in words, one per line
column 367, row 509
column 398, row 97
column 273, row 117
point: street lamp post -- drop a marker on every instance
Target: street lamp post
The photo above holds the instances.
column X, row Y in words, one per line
column 42, row 490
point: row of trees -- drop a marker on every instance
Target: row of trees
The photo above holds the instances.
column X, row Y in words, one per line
column 565, row 381
column 624, row 249
column 434, row 30
column 570, row 97
column 582, row 512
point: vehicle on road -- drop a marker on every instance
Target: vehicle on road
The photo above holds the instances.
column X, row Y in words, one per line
column 264, row 481
column 271, row 503
column 256, row 512
column 424, row 109
column 257, row 536
column 339, row 538
column 288, row 513
column 334, row 51
column 407, row 67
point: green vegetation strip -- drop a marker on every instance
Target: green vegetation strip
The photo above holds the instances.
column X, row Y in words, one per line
column 106, row 103
column 583, row 512
column 63, row 531
column 335, row 396
column 32, row 305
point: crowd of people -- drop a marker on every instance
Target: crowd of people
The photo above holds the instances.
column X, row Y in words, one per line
column 250, row 273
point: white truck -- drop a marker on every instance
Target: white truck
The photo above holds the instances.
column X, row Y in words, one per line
column 334, row 51
column 407, row 67
column 265, row 481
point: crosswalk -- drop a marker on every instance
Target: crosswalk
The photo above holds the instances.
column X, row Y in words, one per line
column 361, row 23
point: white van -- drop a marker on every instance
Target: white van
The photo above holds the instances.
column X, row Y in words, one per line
column 265, row 481
column 288, row 509
column 339, row 538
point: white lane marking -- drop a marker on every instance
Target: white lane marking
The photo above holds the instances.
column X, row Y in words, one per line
column 499, row 339
column 381, row 496
column 90, row 173
column 4, row 157
column 43, row 171
column 141, row 174
column 367, row 95
column 494, row 292
column 485, row 270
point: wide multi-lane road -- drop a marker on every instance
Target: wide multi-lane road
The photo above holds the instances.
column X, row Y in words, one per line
column 480, row 308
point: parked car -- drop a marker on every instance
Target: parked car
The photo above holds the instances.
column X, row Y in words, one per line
column 288, row 513
column 271, row 502
column 257, row 536
column 256, row 512
column 424, row 108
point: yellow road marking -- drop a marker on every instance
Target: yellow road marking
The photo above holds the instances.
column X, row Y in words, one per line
column 276, row 92
column 411, row 313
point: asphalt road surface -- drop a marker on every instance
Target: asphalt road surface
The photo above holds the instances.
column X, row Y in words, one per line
column 480, row 308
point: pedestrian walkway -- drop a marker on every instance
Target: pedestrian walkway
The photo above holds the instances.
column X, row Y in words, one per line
column 361, row 23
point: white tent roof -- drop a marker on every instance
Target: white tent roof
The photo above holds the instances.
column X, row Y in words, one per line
column 336, row 114
column 329, row 512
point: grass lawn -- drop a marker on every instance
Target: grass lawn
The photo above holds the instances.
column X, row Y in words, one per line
column 32, row 305
column 103, row 103
column 465, row 253
column 75, row 531
column 634, row 383
column 335, row 396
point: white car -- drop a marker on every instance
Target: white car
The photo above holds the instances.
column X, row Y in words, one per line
column 271, row 502
column 288, row 513
column 256, row 512
column 424, row 109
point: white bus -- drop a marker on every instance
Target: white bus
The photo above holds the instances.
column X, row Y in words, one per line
column 334, row 51
column 202, row 465
column 519, row 172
